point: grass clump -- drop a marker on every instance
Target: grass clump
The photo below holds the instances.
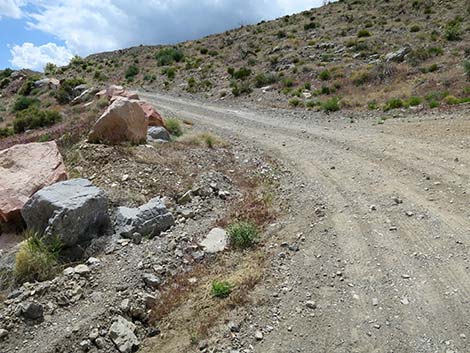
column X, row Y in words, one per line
column 413, row 101
column 221, row 289
column 325, row 75
column 243, row 235
column 5, row 132
column 174, row 127
column 203, row 139
column 453, row 31
column 36, row 260
column 363, row 33
column 466, row 68
column 331, row 105
column 394, row 103
column 262, row 80
column 295, row 102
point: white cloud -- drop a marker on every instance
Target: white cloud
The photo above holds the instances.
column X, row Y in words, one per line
column 90, row 26
column 11, row 8
column 33, row 57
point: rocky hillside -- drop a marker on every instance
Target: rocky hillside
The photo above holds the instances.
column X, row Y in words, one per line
column 359, row 54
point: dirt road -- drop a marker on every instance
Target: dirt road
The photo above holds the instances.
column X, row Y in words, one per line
column 387, row 265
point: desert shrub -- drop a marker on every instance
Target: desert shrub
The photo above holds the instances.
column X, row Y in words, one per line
column 433, row 104
column 262, row 80
column 6, row 73
column 168, row 56
column 309, row 26
column 363, row 33
column 240, row 88
column 131, row 72
column 221, row 289
column 174, row 127
column 36, row 260
column 281, row 34
column 393, row 103
column 33, row 118
column 372, row 105
column 415, row 28
column 360, row 77
column 204, row 51
column 213, row 53
column 452, row 100
column 435, row 51
column 466, row 67
column 331, row 105
column 325, row 75
column 243, row 235
column 66, row 91
column 170, row 72
column 413, row 101
column 241, row 74
column 203, row 139
column 295, row 102
column 453, row 31
column 4, row 83
column 5, row 131
column 23, row 103
column 50, row 69
column 287, row 82
column 311, row 103
column 418, row 55
column 77, row 61
column 26, row 88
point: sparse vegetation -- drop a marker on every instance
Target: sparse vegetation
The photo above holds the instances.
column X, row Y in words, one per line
column 168, row 56
column 363, row 33
column 131, row 72
column 33, row 118
column 221, row 289
column 331, row 105
column 36, row 260
column 243, row 234
column 23, row 103
column 174, row 127
column 394, row 103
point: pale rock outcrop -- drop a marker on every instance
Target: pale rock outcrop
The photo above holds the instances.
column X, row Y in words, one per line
column 123, row 121
column 25, row 169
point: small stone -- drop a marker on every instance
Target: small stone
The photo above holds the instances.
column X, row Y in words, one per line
column 258, row 335
column 151, row 280
column 373, row 208
column 93, row 261
column 100, row 343
column 94, row 334
column 405, row 301
column 310, row 304
column 125, row 177
column 203, row 345
column 85, row 345
column 409, row 213
column 405, row 276
column 82, row 269
column 393, row 228
column 375, row 301
column 233, row 327
column 31, row 310
column 69, row 271
column 3, row 333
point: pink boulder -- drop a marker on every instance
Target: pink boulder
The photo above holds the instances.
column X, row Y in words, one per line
column 25, row 169
column 123, row 121
column 154, row 118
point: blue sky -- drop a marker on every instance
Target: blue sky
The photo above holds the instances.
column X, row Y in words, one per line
column 36, row 32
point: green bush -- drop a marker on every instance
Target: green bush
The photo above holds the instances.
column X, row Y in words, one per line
column 174, row 127
column 433, row 104
column 221, row 289
column 466, row 67
column 241, row 74
column 394, row 103
column 413, row 101
column 6, row 73
column 262, row 80
column 240, row 88
column 168, row 56
column 5, row 82
column 23, row 103
column 281, row 34
column 415, row 28
column 66, row 91
column 295, row 102
column 287, row 82
column 33, row 118
column 36, row 260
column 26, row 88
column 50, row 69
column 325, row 75
column 363, row 33
column 309, row 26
column 170, row 72
column 5, row 132
column 243, row 234
column 131, row 72
column 331, row 105
column 453, row 31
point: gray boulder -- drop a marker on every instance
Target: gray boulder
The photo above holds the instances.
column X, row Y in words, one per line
column 158, row 133
column 122, row 334
column 149, row 219
column 397, row 56
column 74, row 210
column 31, row 311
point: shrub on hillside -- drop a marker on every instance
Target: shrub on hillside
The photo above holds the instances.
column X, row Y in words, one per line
column 363, row 33
column 331, row 105
column 325, row 75
column 23, row 103
column 394, row 103
column 33, row 118
column 243, row 235
column 466, row 67
column 174, row 127
column 453, row 31
column 66, row 91
column 168, row 56
column 262, row 80
column 131, row 72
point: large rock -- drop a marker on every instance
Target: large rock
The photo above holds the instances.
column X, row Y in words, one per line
column 122, row 334
column 154, row 118
column 123, row 121
column 148, row 220
column 158, row 133
column 25, row 169
column 74, row 210
column 215, row 241
column 110, row 92
column 397, row 56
